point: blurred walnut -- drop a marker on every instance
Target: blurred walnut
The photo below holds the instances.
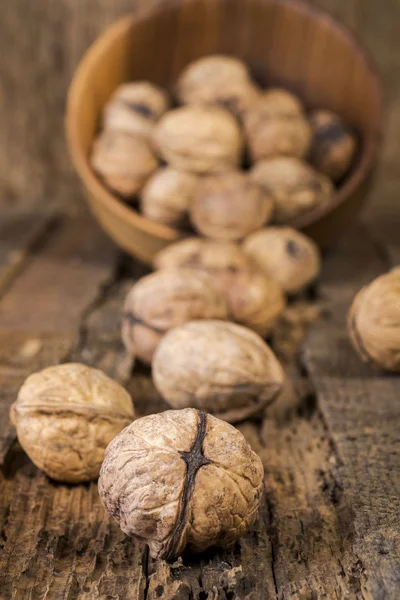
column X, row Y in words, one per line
column 167, row 196
column 181, row 479
column 333, row 146
column 164, row 300
column 218, row 79
column 294, row 186
column 229, row 206
column 374, row 322
column 276, row 125
column 199, row 139
column 285, row 254
column 135, row 107
column 66, row 416
column 218, row 367
column 123, row 161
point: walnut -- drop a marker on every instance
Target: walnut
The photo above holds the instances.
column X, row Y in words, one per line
column 135, row 107
column 217, row 366
column 199, row 139
column 164, row 300
column 285, row 254
column 66, row 416
column 333, row 145
column 276, row 125
column 181, row 479
column 167, row 195
column 374, row 320
column 218, row 79
column 295, row 187
column 229, row 206
column 123, row 161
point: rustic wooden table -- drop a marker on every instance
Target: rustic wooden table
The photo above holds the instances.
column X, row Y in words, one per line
column 329, row 526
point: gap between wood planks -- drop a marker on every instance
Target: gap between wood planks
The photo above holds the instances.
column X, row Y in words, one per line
column 324, row 531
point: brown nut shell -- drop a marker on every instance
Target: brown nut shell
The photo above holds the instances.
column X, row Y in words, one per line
column 374, row 322
column 181, row 479
column 135, row 107
column 163, row 300
column 286, row 255
column 275, row 125
column 66, row 416
column 123, row 161
column 218, row 79
column 199, row 139
column 333, row 144
column 229, row 206
column 295, row 187
column 217, row 366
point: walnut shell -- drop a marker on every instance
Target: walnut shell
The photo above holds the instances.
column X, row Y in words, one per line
column 218, row 79
column 164, row 300
column 123, row 161
column 374, row 322
column 181, row 479
column 276, row 125
column 217, row 366
column 286, row 255
column 135, row 107
column 167, row 195
column 294, row 186
column 229, row 206
column 66, row 416
column 199, row 139
column 333, row 144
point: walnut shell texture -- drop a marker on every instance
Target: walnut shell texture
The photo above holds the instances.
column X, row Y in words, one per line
column 218, row 79
column 229, row 206
column 199, row 139
column 167, row 195
column 294, row 186
column 65, row 417
column 135, row 107
column 374, row 322
column 123, row 161
column 217, row 366
column 286, row 255
column 181, row 479
column 276, row 125
column 163, row 300
column 333, row 145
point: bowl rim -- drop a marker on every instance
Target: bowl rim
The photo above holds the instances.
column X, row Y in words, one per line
column 129, row 214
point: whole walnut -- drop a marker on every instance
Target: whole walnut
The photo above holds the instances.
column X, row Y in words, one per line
column 374, row 320
column 216, row 366
column 167, row 195
column 199, row 139
column 164, row 300
column 286, row 255
column 135, row 107
column 123, row 161
column 218, row 79
column 180, row 480
column 66, row 416
column 333, row 144
column 276, row 125
column 229, row 206
column 295, row 187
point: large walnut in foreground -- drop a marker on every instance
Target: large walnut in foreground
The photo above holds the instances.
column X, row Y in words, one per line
column 199, row 139
column 181, row 479
column 163, row 300
column 216, row 366
column 374, row 322
column 66, row 416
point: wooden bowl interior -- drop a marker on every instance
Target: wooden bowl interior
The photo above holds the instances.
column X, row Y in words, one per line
column 284, row 42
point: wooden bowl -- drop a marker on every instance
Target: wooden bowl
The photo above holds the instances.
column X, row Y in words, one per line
column 285, row 42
